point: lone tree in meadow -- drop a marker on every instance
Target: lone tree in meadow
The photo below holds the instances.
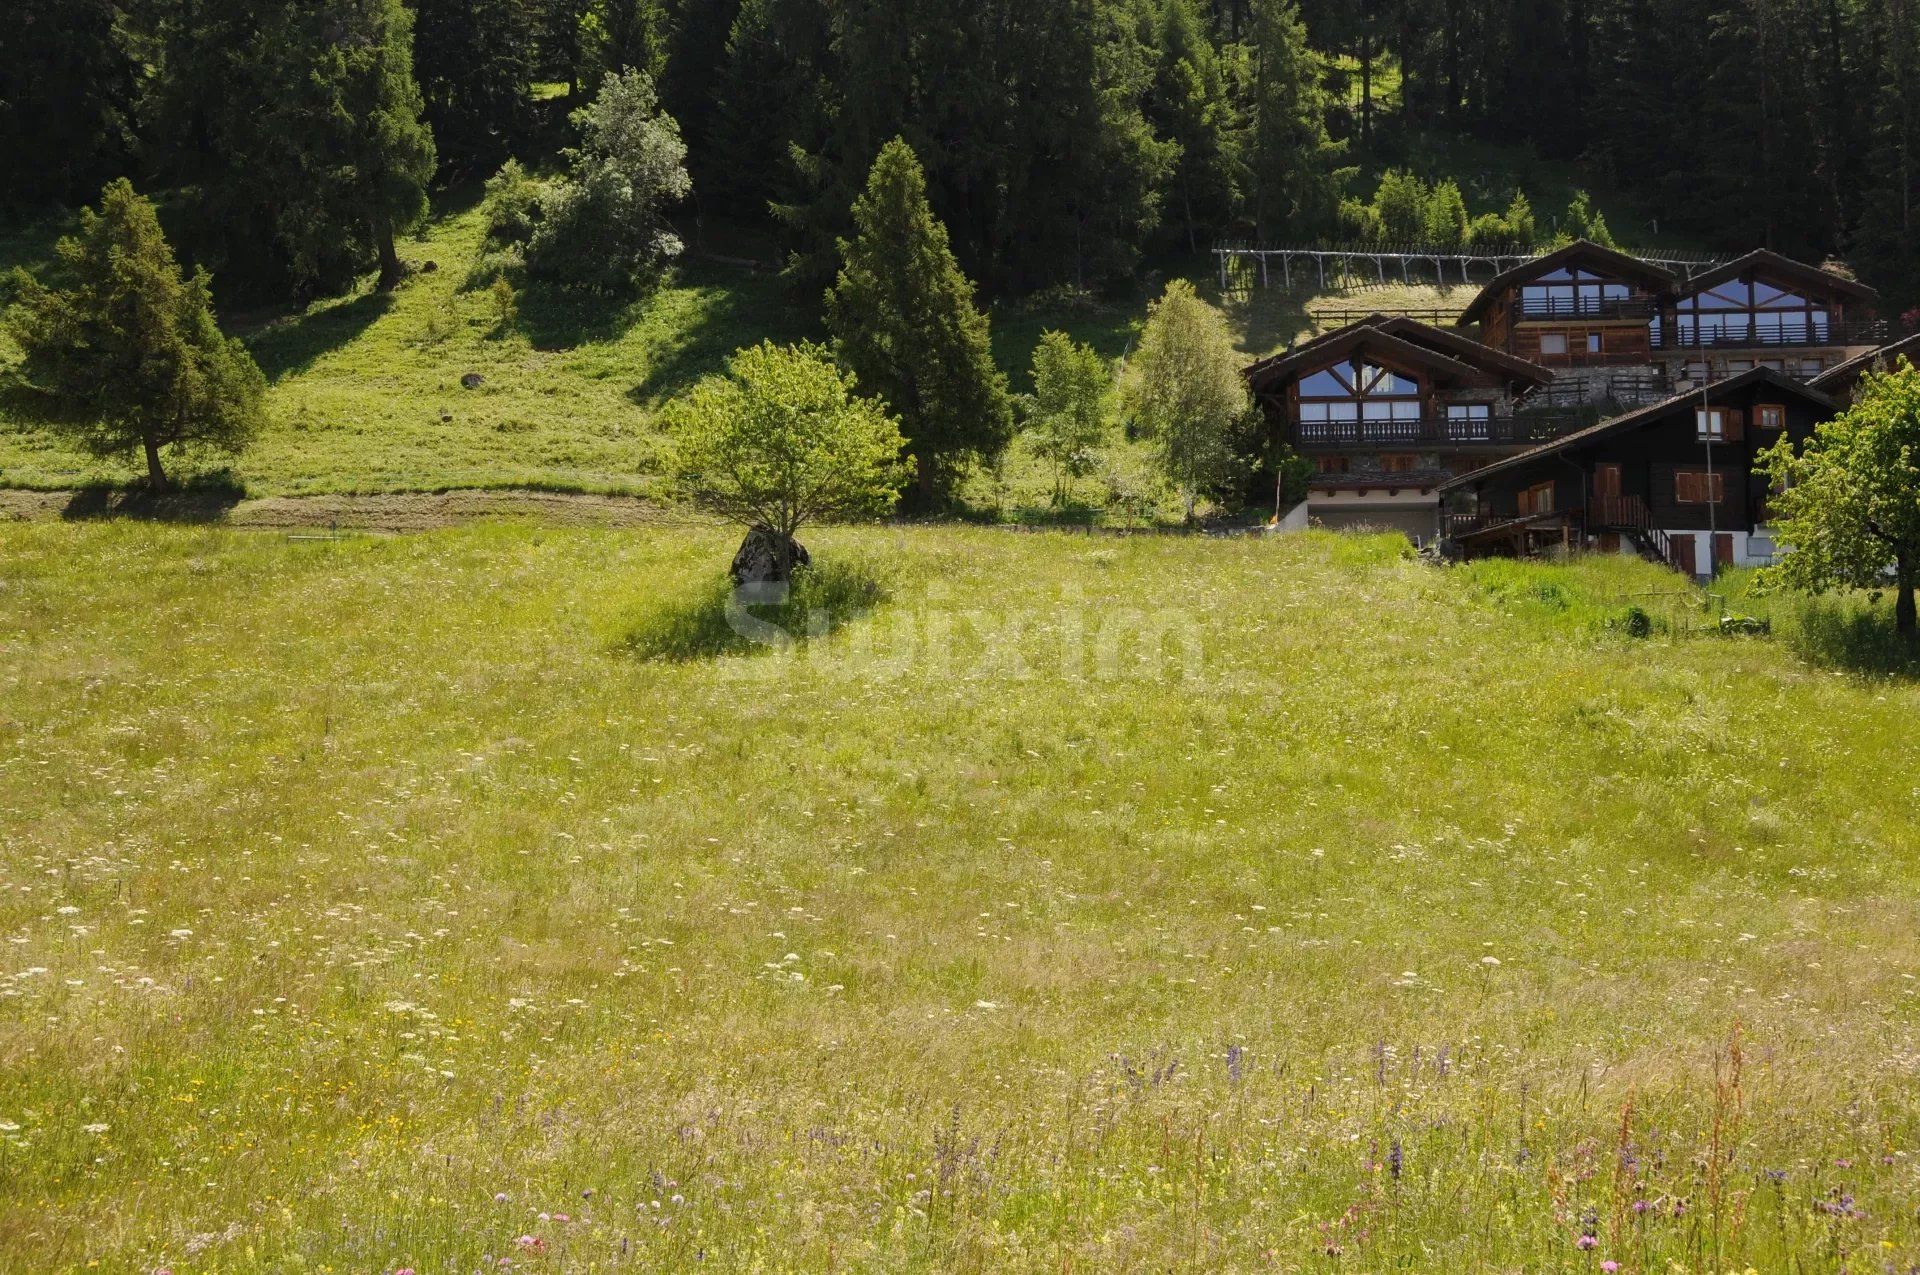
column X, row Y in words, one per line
column 903, row 319
column 1068, row 414
column 780, row 441
column 1184, row 389
column 1849, row 507
column 129, row 357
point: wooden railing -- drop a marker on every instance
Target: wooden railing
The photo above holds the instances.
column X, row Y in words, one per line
column 1497, row 431
column 1555, row 311
column 1753, row 336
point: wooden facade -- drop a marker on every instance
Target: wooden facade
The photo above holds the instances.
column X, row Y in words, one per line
column 1580, row 306
column 1677, row 481
column 1388, row 408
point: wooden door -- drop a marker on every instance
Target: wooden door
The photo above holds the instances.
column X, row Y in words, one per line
column 1722, row 552
column 1685, row 556
column 1606, row 482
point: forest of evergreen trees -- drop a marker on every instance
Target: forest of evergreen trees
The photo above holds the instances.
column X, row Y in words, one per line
column 1063, row 139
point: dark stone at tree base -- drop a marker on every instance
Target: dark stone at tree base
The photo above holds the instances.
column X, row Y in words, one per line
column 768, row 557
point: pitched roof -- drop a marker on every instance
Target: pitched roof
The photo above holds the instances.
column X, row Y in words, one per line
column 1611, row 259
column 1409, row 339
column 1647, row 415
column 1840, row 377
column 1765, row 261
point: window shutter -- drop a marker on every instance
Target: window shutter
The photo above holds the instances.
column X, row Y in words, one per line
column 1736, row 423
column 1683, row 489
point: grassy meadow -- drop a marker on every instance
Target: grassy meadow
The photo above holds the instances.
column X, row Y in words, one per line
column 367, row 396
column 473, row 901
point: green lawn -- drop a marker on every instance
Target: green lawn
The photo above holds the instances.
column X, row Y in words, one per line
column 375, row 904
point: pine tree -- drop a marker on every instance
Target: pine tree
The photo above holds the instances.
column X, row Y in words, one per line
column 128, row 356
column 474, row 62
column 1192, row 108
column 903, row 319
column 1890, row 215
column 298, row 132
column 771, row 99
column 67, row 87
column 1291, row 180
column 689, row 82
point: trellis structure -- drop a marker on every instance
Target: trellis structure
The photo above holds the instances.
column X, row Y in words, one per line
column 1396, row 264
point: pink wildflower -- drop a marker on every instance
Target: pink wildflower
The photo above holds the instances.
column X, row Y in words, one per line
column 1609, row 1266
column 1586, row 1243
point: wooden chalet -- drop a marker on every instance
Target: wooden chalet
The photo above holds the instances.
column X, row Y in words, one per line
column 1840, row 380
column 1763, row 310
column 1388, row 408
column 1579, row 306
column 1676, row 481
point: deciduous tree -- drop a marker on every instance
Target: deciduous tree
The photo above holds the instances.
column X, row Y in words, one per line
column 781, row 441
column 1849, row 501
column 1185, row 391
column 1068, row 417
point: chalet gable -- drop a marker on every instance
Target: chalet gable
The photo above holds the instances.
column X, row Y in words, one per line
column 1578, row 259
column 1405, row 344
column 1840, row 379
column 1769, row 275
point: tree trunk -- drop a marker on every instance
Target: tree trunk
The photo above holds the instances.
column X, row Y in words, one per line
column 389, row 257
column 767, row 556
column 1905, row 621
column 156, row 476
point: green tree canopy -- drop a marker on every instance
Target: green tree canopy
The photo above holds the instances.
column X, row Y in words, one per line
column 1068, row 415
column 782, row 440
column 903, row 319
column 128, row 357
column 606, row 225
column 296, row 130
column 1848, row 504
column 1184, row 389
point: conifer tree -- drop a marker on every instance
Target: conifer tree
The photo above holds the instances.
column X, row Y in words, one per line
column 903, row 319
column 128, row 357
column 474, row 62
column 1292, row 183
column 67, row 88
column 1192, row 108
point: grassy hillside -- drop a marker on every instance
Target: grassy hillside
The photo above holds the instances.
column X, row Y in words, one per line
column 367, row 396
column 1392, row 918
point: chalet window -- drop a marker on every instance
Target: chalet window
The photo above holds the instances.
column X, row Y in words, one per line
column 1330, row 464
column 1698, row 487
column 1469, row 422
column 1553, row 343
column 1769, row 416
column 1568, row 292
column 1750, row 312
column 1399, row 463
column 1537, row 499
column 1716, row 424
column 1334, row 400
column 1594, row 344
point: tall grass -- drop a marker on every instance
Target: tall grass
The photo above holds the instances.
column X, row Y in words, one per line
column 368, row 906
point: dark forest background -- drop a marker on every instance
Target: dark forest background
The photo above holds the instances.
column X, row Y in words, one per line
column 1065, row 140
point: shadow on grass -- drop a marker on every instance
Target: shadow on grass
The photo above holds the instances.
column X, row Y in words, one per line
column 717, row 621
column 284, row 347
column 203, row 498
column 1854, row 637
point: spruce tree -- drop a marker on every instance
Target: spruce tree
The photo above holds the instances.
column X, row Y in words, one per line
column 297, row 130
column 67, row 86
column 903, row 320
column 474, row 61
column 1191, row 107
column 1292, row 184
column 127, row 356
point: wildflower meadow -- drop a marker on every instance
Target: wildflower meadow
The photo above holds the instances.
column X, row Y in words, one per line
column 477, row 901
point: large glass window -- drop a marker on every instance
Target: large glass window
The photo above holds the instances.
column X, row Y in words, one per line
column 1335, row 400
column 1469, row 422
column 1571, row 291
column 1750, row 312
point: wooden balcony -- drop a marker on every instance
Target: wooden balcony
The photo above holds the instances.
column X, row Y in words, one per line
column 1437, row 432
column 1583, row 311
column 1753, row 337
